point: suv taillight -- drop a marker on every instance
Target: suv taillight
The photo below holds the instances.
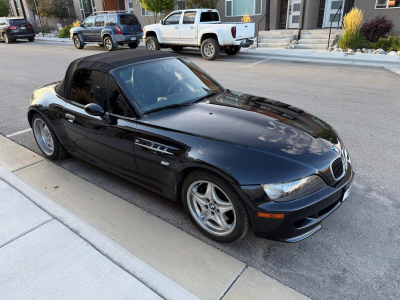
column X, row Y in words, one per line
column 29, row 26
column 233, row 31
column 141, row 28
column 118, row 30
column 12, row 27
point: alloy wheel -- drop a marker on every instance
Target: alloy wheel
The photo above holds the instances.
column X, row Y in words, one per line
column 43, row 136
column 150, row 45
column 108, row 44
column 5, row 37
column 208, row 49
column 77, row 42
column 211, row 208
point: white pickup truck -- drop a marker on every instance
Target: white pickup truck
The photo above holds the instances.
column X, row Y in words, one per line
column 199, row 28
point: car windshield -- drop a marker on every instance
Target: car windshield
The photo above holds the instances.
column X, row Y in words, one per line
column 18, row 22
column 166, row 82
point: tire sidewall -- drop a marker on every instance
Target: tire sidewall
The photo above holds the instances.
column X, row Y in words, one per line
column 79, row 41
column 111, row 41
column 6, row 39
column 242, row 221
column 154, row 40
column 216, row 49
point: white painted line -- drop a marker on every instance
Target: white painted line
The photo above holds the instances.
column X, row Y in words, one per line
column 19, row 132
column 255, row 63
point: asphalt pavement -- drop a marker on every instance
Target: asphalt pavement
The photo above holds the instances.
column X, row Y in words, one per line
column 356, row 254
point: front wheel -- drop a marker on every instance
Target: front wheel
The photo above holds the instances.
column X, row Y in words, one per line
column 133, row 45
column 210, row 49
column 108, row 44
column 232, row 50
column 214, row 207
column 77, row 43
column 6, row 39
column 46, row 139
column 152, row 43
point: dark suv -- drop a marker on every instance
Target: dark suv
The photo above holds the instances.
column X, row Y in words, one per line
column 108, row 29
column 16, row 28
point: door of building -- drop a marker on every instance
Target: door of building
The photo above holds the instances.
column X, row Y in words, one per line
column 331, row 7
column 294, row 13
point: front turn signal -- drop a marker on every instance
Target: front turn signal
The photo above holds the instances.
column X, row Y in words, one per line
column 270, row 216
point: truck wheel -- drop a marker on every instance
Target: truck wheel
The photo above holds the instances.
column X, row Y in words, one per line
column 77, row 43
column 108, row 44
column 233, row 50
column 152, row 43
column 210, row 49
column 133, row 45
column 176, row 48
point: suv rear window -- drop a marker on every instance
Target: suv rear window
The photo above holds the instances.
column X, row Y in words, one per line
column 128, row 20
column 209, row 16
column 18, row 22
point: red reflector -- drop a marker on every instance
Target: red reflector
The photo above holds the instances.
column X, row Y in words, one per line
column 233, row 31
column 209, row 10
column 118, row 30
column 12, row 27
column 270, row 216
column 29, row 26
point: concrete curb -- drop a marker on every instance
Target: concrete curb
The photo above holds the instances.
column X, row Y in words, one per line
column 54, row 40
column 153, row 279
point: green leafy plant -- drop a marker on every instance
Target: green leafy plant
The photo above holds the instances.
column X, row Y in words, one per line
column 352, row 38
column 392, row 43
column 156, row 6
column 4, row 8
column 64, row 32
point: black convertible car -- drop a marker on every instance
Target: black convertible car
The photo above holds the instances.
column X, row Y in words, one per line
column 234, row 160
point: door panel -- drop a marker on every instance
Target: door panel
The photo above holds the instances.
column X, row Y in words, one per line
column 170, row 30
column 87, row 30
column 188, row 31
column 294, row 13
column 100, row 22
column 332, row 7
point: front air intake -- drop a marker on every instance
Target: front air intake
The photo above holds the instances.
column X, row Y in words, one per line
column 337, row 168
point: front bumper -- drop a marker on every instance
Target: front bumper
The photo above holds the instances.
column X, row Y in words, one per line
column 302, row 217
column 126, row 39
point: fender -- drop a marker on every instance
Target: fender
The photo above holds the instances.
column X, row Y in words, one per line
column 157, row 33
column 215, row 31
column 106, row 31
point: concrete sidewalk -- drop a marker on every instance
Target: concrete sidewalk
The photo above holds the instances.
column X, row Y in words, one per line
column 64, row 237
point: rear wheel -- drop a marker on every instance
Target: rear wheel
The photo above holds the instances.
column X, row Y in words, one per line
column 108, row 44
column 176, row 48
column 210, row 49
column 152, row 43
column 6, row 39
column 32, row 39
column 46, row 139
column 214, row 207
column 232, row 50
column 133, row 45
column 77, row 42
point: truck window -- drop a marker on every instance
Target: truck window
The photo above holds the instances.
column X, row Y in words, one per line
column 189, row 17
column 173, row 19
column 209, row 16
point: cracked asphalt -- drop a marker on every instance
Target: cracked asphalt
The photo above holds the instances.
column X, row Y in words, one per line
column 356, row 254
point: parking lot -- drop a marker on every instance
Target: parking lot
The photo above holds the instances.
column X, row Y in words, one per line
column 356, row 254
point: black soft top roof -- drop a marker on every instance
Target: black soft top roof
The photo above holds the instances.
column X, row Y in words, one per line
column 105, row 62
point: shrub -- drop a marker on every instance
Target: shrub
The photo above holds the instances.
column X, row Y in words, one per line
column 352, row 38
column 377, row 28
column 76, row 23
column 64, row 32
column 392, row 43
column 4, row 8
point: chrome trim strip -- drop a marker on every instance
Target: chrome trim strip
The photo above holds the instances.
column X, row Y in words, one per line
column 154, row 149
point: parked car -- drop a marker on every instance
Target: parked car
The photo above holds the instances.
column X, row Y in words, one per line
column 234, row 160
column 200, row 28
column 109, row 29
column 12, row 29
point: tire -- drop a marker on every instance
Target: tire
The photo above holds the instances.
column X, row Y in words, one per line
column 57, row 150
column 210, row 49
column 233, row 50
column 133, row 45
column 152, row 43
column 108, row 44
column 77, row 42
column 32, row 39
column 206, row 211
column 176, row 48
column 6, row 39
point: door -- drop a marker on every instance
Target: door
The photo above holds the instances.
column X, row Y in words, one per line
column 188, row 30
column 331, row 8
column 99, row 24
column 108, row 140
column 294, row 13
column 87, row 30
column 170, row 29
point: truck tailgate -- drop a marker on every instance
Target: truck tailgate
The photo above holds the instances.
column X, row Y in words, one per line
column 244, row 30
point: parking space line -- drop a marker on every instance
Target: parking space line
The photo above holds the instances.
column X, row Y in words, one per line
column 255, row 63
column 19, row 132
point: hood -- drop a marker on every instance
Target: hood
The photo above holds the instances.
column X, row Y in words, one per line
column 258, row 123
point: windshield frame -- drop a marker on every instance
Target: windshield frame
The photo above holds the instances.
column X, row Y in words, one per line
column 133, row 101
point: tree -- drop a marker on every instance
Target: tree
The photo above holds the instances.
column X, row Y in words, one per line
column 4, row 8
column 201, row 3
column 156, row 6
column 55, row 9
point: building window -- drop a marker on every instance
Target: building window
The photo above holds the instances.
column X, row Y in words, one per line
column 387, row 4
column 149, row 13
column 240, row 7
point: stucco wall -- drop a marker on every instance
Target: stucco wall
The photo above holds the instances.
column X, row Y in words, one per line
column 311, row 14
column 368, row 6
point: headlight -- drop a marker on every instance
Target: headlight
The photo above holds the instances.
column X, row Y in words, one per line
column 287, row 191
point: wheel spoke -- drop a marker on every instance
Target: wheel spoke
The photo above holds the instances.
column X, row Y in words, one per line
column 221, row 221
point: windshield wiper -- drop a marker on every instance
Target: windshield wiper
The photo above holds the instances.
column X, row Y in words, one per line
column 166, row 107
column 209, row 95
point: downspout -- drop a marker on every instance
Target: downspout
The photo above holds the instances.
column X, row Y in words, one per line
column 119, row 4
column 302, row 19
column 268, row 13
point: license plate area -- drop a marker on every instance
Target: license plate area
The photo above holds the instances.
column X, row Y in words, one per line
column 22, row 27
column 133, row 38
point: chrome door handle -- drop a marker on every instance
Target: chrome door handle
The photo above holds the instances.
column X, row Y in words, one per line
column 70, row 117
column 192, row 27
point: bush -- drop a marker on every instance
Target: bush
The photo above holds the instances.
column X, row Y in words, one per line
column 64, row 32
column 4, row 8
column 392, row 43
column 378, row 27
column 352, row 38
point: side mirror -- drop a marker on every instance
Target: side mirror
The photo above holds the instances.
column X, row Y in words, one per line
column 94, row 109
column 162, row 22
